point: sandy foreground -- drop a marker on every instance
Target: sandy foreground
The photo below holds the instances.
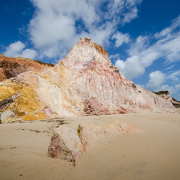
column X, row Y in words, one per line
column 155, row 154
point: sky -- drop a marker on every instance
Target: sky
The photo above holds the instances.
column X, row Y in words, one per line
column 142, row 37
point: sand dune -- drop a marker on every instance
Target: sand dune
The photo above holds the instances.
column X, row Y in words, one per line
column 155, row 154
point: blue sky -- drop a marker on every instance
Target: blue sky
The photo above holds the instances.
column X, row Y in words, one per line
column 141, row 36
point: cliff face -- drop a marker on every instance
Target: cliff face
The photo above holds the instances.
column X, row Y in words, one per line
column 83, row 83
column 11, row 67
column 166, row 95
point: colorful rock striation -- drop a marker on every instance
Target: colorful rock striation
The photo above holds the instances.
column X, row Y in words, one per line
column 67, row 144
column 83, row 83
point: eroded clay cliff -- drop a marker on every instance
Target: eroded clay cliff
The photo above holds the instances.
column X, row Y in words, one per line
column 83, row 83
column 11, row 67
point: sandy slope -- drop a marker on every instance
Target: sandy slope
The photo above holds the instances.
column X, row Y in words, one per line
column 152, row 155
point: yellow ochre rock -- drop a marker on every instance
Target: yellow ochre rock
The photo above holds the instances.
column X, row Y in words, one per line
column 24, row 107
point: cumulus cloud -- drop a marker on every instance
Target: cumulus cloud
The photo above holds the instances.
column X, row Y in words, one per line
column 120, row 38
column 58, row 24
column 17, row 49
column 130, row 68
column 166, row 46
column 156, row 79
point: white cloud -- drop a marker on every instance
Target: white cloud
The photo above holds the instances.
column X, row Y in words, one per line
column 177, row 86
column 168, row 30
column 143, row 86
column 178, row 97
column 130, row 3
column 130, row 68
column 133, row 11
column 114, row 56
column 156, row 79
column 58, row 24
column 167, row 47
column 120, row 38
column 140, row 44
column 136, row 64
column 174, row 76
column 132, row 14
column 115, row 7
column 120, row 64
column 28, row 53
column 170, row 67
column 126, row 9
column 53, row 30
column 168, row 44
column 16, row 49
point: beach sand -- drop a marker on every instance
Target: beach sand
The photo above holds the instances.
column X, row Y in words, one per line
column 153, row 155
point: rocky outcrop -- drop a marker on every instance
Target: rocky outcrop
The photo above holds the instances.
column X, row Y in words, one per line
column 88, row 133
column 8, row 101
column 175, row 103
column 166, row 95
column 83, row 83
column 11, row 67
column 67, row 145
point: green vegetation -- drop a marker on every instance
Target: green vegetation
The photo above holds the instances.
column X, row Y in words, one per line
column 49, row 64
column 176, row 105
column 162, row 92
